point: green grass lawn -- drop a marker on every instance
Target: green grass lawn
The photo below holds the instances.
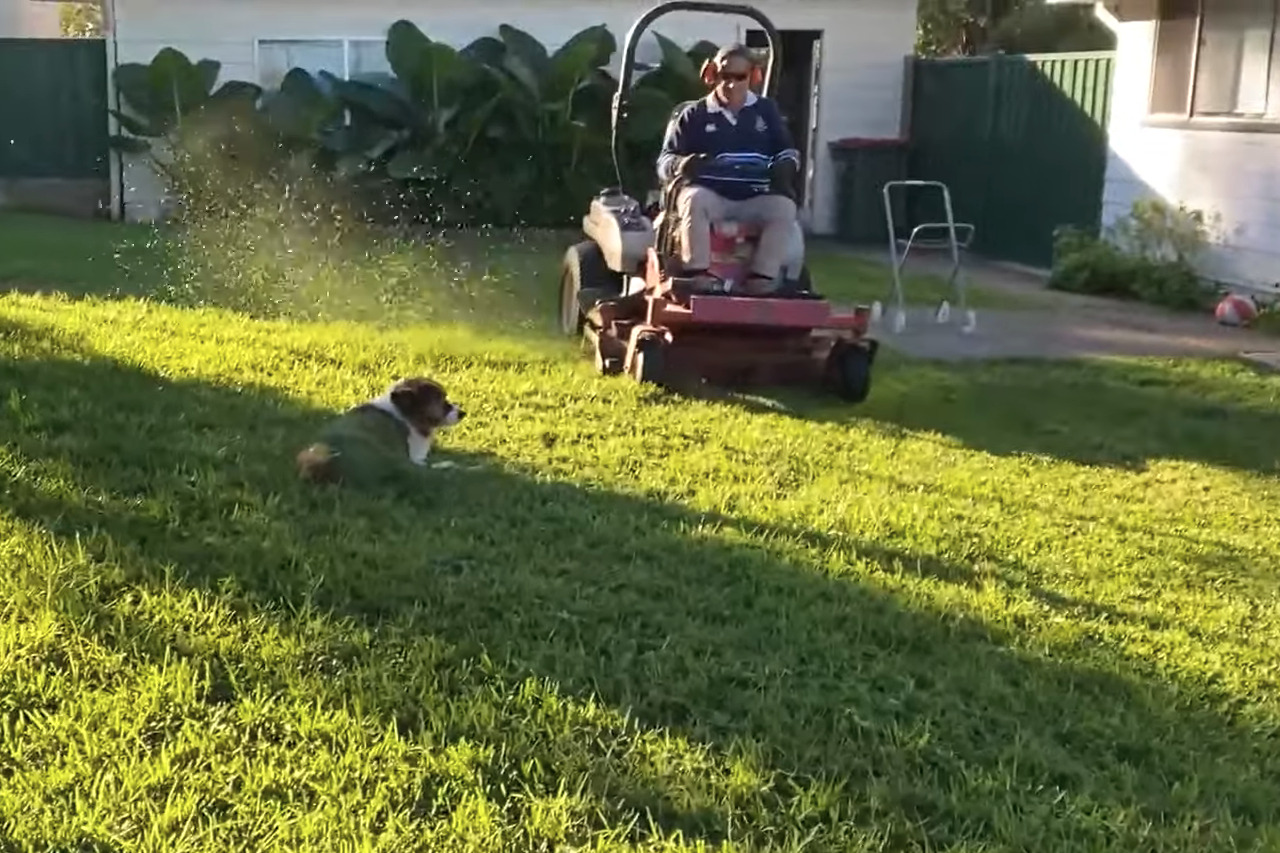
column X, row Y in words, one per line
column 1008, row 607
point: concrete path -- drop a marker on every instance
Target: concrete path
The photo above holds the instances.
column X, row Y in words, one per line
column 1061, row 325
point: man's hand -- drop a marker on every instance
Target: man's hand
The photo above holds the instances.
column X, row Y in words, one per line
column 782, row 178
column 689, row 165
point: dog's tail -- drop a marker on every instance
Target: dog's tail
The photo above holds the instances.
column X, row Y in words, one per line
column 318, row 464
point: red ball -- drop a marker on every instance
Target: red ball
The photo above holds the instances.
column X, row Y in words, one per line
column 1236, row 310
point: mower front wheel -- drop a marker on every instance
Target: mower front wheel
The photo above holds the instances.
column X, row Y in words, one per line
column 648, row 363
column 849, row 371
column 606, row 364
column 585, row 278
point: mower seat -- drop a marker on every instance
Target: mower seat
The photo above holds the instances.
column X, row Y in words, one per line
column 733, row 229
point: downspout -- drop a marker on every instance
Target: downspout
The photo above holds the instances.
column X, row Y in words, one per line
column 116, row 158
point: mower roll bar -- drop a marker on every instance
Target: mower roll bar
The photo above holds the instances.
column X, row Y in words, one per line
column 622, row 97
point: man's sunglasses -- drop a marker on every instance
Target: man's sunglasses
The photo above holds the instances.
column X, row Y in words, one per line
column 730, row 77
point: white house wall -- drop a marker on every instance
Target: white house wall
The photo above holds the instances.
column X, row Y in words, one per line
column 1233, row 175
column 30, row 19
column 861, row 80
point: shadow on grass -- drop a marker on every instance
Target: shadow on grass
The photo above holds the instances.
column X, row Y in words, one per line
column 874, row 722
column 41, row 253
column 1113, row 413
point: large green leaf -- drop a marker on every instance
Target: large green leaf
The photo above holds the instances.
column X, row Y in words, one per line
column 649, row 115
column 434, row 72
column 576, row 61
column 180, row 85
column 413, row 164
column 405, row 46
column 701, row 51
column 440, row 120
column 133, row 124
column 237, row 90
column 598, row 40
column 299, row 109
column 206, row 75
column 526, row 60
column 526, row 77
column 352, row 164
column 369, row 140
column 674, row 76
column 129, row 144
column 526, row 49
column 383, row 105
column 675, row 59
column 167, row 88
column 133, row 81
column 486, row 50
column 593, row 98
column 479, row 122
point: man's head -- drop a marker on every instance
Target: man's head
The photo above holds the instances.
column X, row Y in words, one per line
column 730, row 72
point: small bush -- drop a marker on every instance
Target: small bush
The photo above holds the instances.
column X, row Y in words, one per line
column 1148, row 255
column 1268, row 321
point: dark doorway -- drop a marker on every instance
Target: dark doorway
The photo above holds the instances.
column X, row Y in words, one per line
column 796, row 81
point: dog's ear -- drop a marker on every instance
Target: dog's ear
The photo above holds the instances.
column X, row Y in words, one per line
column 404, row 396
column 421, row 401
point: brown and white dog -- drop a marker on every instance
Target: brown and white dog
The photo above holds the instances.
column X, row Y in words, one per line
column 383, row 438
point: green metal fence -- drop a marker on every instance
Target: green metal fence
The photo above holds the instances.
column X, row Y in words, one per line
column 53, row 108
column 1020, row 141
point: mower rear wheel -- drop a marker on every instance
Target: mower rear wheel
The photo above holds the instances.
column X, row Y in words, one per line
column 849, row 372
column 585, row 278
column 648, row 363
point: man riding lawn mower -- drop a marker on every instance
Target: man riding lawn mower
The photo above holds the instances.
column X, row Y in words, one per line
column 730, row 157
column 714, row 287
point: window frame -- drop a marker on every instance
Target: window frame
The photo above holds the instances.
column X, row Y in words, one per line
column 1186, row 119
column 345, row 41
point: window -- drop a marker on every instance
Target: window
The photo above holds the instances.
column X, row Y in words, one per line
column 367, row 59
column 350, row 59
column 1217, row 59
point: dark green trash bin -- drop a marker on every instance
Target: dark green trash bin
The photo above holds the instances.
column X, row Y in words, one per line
column 863, row 167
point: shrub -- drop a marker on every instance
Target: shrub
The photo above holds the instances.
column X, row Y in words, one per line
column 501, row 132
column 1149, row 254
column 1268, row 321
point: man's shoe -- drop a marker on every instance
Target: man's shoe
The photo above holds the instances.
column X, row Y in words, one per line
column 759, row 286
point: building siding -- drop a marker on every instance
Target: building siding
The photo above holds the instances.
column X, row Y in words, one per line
column 862, row 56
column 30, row 19
column 1235, row 176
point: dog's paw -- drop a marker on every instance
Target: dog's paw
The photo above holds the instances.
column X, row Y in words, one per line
column 445, row 465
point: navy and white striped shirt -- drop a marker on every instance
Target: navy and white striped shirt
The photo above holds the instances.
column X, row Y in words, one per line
column 743, row 145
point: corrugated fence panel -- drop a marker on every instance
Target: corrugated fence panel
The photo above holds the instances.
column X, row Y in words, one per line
column 1020, row 141
column 53, row 108
column 951, row 107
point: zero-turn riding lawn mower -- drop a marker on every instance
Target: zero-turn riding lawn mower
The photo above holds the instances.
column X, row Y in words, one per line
column 623, row 288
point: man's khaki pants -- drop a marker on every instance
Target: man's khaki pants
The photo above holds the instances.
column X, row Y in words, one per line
column 697, row 207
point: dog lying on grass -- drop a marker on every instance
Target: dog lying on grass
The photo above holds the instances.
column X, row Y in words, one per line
column 382, row 440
